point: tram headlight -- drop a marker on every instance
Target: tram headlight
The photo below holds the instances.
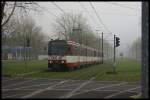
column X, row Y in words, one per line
column 50, row 61
column 62, row 61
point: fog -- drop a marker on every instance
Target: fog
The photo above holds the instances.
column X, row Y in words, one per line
column 121, row 18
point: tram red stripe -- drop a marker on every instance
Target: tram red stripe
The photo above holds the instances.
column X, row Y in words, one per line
column 80, row 63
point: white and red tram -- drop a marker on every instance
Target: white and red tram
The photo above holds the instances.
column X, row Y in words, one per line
column 64, row 54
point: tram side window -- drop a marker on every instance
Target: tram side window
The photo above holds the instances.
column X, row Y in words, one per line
column 100, row 54
column 78, row 50
column 81, row 51
column 90, row 52
column 86, row 51
column 75, row 52
column 69, row 51
column 97, row 54
column 94, row 53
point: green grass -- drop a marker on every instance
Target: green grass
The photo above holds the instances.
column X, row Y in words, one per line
column 127, row 70
column 12, row 68
column 84, row 73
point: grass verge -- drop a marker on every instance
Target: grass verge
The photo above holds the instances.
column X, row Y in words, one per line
column 127, row 70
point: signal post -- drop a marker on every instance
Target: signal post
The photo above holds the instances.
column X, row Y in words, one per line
column 116, row 44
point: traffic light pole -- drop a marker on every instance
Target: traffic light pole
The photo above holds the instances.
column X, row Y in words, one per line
column 102, row 50
column 114, row 65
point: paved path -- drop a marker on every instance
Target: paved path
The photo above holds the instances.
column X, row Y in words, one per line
column 58, row 88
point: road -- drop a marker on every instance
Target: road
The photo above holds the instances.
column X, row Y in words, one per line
column 59, row 88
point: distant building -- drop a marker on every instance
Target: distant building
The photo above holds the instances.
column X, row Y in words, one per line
column 15, row 53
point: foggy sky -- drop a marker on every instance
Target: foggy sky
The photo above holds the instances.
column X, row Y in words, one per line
column 124, row 22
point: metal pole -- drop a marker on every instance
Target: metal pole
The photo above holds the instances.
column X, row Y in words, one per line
column 136, row 51
column 25, row 52
column 114, row 65
column 102, row 49
column 107, row 52
column 86, row 49
column 99, row 50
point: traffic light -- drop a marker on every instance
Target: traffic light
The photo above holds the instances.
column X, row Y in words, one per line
column 117, row 41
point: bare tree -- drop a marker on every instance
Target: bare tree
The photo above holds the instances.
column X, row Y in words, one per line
column 70, row 26
column 135, row 49
column 65, row 24
column 8, row 9
column 26, row 31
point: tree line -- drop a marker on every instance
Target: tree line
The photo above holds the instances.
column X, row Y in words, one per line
column 18, row 31
column 75, row 27
column 19, row 28
column 135, row 49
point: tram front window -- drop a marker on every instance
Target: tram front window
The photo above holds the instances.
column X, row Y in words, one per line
column 57, row 48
